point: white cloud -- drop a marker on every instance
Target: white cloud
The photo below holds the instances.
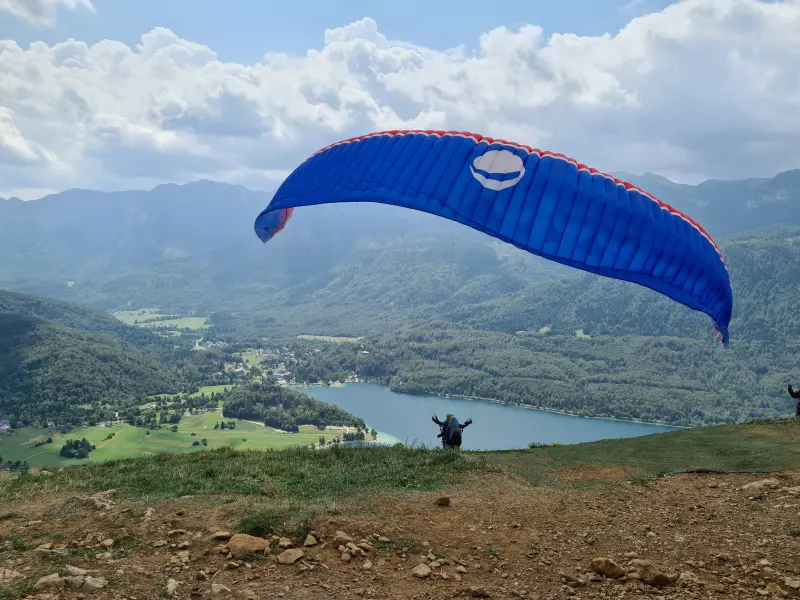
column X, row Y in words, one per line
column 41, row 13
column 704, row 88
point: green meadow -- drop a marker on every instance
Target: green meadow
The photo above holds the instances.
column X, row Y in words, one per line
column 129, row 441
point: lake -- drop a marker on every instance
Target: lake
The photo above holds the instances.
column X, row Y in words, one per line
column 407, row 418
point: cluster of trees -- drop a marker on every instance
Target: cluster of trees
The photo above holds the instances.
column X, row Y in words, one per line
column 282, row 408
column 20, row 466
column 225, row 425
column 77, row 448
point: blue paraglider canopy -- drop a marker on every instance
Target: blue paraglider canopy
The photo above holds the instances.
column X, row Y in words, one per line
column 542, row 202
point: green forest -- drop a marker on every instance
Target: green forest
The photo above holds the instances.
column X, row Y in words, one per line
column 677, row 381
column 283, row 409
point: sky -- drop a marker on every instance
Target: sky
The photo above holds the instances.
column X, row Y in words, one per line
column 122, row 94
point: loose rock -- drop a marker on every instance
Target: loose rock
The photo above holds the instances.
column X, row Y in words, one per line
column 607, row 567
column 290, row 556
column 172, row 586
column 793, row 584
column 221, row 536
column 761, row 484
column 241, row 544
column 422, row 571
column 50, row 582
column 650, row 573
column 443, row 501
column 94, row 583
column 341, row 539
column 310, row 541
column 8, row 575
column 218, row 588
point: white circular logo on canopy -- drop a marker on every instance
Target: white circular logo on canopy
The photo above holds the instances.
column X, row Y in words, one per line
column 496, row 163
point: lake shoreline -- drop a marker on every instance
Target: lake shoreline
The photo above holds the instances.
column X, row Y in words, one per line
column 490, row 400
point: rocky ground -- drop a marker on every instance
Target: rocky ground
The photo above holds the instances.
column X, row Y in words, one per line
column 690, row 536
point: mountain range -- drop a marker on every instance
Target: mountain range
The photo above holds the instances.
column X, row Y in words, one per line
column 361, row 268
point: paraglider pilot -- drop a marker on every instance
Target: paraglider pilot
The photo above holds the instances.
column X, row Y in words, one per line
column 451, row 429
column 796, row 395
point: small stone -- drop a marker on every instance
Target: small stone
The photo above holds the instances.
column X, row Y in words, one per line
column 218, row 588
column 201, row 576
column 650, row 573
column 75, row 571
column 285, row 543
column 793, row 584
column 109, row 543
column 232, row 565
column 365, row 546
column 687, row 578
column 172, row 586
column 457, row 577
column 310, row 541
column 221, row 536
column 290, row 556
column 572, row 581
column 384, row 540
column 422, row 571
column 367, row 565
column 757, row 485
column 341, row 539
column 478, row 592
column 461, row 569
column 75, row 582
column 434, row 564
column 160, row 543
column 346, row 557
column 443, row 501
column 774, row 588
column 50, row 582
column 607, row 567
column 241, row 544
column 175, row 532
column 94, row 583
column 8, row 575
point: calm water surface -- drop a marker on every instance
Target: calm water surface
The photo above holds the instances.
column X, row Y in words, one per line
column 407, row 418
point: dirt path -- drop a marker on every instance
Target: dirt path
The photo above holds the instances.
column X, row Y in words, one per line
column 498, row 538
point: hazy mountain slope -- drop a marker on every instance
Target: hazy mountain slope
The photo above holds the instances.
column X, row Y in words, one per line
column 357, row 268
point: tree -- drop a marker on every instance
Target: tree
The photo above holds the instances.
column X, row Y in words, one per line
column 321, row 440
column 374, row 434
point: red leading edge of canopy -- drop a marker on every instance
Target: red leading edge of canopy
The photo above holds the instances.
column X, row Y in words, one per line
column 581, row 167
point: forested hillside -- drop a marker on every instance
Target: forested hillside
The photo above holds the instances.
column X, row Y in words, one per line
column 54, row 374
column 283, row 409
column 679, row 381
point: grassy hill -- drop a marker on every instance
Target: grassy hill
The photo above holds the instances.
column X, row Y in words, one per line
column 687, row 502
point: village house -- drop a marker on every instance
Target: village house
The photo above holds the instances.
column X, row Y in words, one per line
column 5, row 427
